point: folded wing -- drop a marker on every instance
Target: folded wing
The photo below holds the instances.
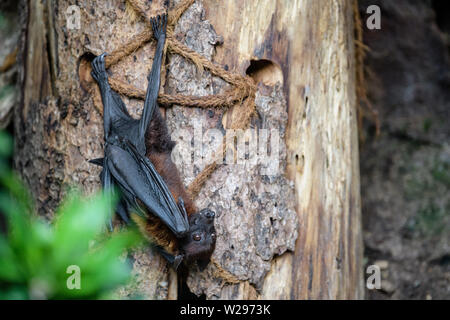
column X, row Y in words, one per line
column 139, row 180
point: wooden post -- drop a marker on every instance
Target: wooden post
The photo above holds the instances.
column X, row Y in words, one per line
column 292, row 235
column 312, row 43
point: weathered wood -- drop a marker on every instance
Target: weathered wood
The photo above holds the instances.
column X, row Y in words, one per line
column 312, row 43
column 57, row 126
column 306, row 93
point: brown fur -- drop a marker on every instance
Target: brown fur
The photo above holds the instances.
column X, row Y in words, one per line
column 157, row 232
column 159, row 148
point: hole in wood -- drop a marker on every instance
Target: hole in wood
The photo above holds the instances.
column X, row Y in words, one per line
column 84, row 70
column 265, row 71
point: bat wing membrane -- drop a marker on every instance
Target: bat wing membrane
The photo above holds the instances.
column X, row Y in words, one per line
column 138, row 177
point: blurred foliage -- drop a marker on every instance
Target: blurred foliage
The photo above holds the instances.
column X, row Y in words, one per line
column 6, row 90
column 441, row 172
column 36, row 257
column 2, row 21
column 433, row 211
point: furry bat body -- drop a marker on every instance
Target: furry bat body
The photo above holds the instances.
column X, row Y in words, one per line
column 137, row 160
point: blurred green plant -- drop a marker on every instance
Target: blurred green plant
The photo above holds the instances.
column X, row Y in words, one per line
column 441, row 172
column 6, row 90
column 429, row 220
column 39, row 260
column 2, row 21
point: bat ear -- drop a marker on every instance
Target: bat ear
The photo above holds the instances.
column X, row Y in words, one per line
column 202, row 264
column 98, row 161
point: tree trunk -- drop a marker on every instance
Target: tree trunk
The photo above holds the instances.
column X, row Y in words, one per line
column 288, row 224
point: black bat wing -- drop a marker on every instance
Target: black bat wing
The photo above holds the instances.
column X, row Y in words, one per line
column 139, row 180
column 125, row 163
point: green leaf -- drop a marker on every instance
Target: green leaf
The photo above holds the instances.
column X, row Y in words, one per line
column 34, row 255
column 6, row 144
column 9, row 268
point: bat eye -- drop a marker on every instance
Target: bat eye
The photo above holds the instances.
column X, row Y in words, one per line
column 197, row 237
column 213, row 236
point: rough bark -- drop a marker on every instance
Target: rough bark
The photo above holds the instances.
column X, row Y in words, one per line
column 9, row 33
column 305, row 92
column 312, row 43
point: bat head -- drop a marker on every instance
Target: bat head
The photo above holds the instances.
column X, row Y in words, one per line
column 198, row 245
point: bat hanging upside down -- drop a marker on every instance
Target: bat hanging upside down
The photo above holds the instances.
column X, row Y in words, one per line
column 137, row 160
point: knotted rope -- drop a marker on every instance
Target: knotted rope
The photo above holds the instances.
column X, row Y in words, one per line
column 242, row 96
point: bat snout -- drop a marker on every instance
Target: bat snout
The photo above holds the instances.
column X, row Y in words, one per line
column 209, row 214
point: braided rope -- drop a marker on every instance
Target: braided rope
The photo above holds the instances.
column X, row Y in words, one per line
column 242, row 96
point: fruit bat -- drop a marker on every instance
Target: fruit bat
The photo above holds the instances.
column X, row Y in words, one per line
column 137, row 162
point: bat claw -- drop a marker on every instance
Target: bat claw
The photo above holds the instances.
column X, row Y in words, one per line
column 182, row 207
column 99, row 69
column 97, row 161
column 159, row 25
column 177, row 261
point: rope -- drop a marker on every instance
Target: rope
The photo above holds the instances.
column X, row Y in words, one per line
column 242, row 96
